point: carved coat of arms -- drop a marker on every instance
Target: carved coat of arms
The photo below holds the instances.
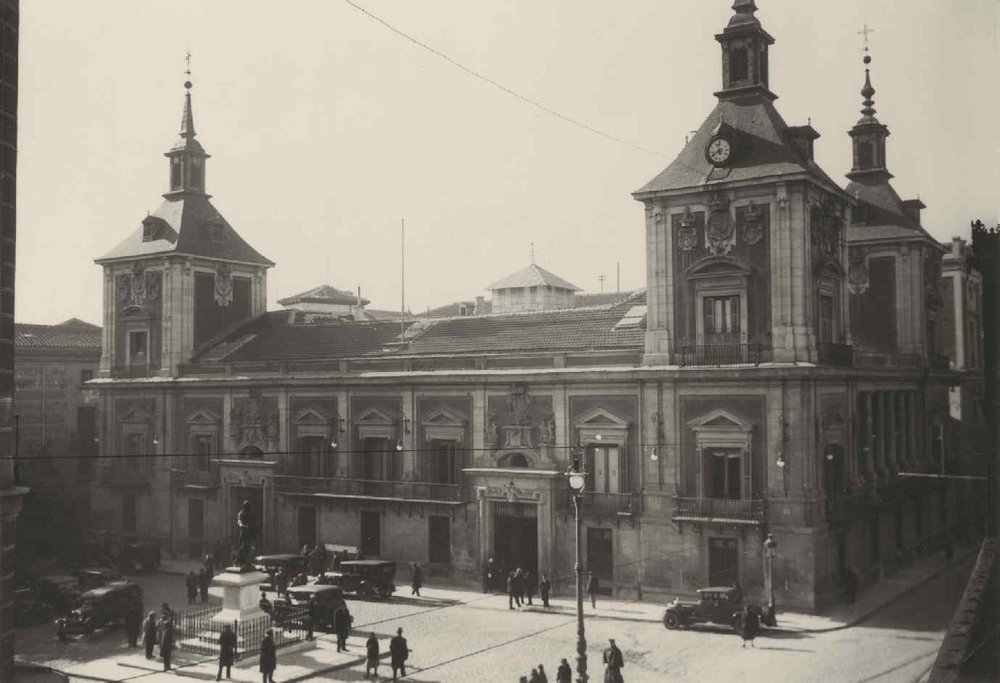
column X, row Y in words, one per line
column 753, row 226
column 857, row 274
column 250, row 422
column 687, row 233
column 827, row 227
column 138, row 295
column 223, row 285
column 720, row 228
column 519, row 404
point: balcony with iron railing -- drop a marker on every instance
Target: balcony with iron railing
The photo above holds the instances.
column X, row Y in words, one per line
column 720, row 355
column 196, row 478
column 135, row 371
column 371, row 489
column 719, row 510
column 127, row 477
column 604, row 504
column 835, row 354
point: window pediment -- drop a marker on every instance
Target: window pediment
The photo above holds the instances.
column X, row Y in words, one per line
column 722, row 428
column 718, row 266
column 599, row 425
column 135, row 314
column 443, row 425
column 203, row 417
column 312, row 416
column 374, row 424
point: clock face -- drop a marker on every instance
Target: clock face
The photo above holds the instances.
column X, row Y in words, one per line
column 719, row 150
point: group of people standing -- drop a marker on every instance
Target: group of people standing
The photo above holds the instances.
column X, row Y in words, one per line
column 614, row 662
column 158, row 632
column 198, row 584
column 518, row 583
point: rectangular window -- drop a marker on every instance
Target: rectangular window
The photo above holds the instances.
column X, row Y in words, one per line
column 866, row 155
column 443, row 463
column 723, row 473
column 309, row 458
column 825, row 319
column 739, row 65
column 138, row 347
column 204, row 448
column 439, row 539
column 605, row 469
column 133, row 450
column 601, row 557
column 721, row 319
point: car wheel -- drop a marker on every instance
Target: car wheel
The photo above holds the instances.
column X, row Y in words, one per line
column 671, row 620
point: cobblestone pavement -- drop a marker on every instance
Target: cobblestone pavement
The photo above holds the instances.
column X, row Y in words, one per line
column 463, row 636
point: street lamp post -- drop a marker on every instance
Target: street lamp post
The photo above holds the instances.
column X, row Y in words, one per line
column 770, row 551
column 577, row 482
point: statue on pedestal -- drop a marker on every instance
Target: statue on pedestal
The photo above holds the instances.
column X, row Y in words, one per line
column 247, row 523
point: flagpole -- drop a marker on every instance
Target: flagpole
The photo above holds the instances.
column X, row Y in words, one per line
column 402, row 276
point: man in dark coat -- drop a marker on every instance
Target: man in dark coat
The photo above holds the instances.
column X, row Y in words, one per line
column 564, row 674
column 150, row 634
column 268, row 657
column 312, row 616
column 527, row 580
column 489, row 571
column 342, row 625
column 372, row 655
column 133, row 624
column 192, row 587
column 227, row 651
column 519, row 586
column 511, row 590
column 544, row 587
column 749, row 625
column 613, row 661
column 399, row 652
column 592, row 587
column 167, row 643
column 203, row 580
column 418, row 579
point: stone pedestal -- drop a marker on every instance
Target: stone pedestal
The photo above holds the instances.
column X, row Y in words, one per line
column 240, row 595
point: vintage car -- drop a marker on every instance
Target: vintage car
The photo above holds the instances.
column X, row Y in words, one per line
column 270, row 564
column 328, row 598
column 58, row 591
column 100, row 607
column 365, row 578
column 715, row 605
column 95, row 577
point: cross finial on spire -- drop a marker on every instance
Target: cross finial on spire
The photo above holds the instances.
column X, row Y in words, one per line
column 532, row 253
column 864, row 33
column 867, row 91
column 187, row 59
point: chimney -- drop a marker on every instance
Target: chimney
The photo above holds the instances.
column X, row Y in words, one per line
column 912, row 209
column 956, row 246
column 480, row 306
column 802, row 138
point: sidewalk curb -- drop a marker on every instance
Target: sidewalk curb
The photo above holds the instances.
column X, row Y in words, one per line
column 864, row 617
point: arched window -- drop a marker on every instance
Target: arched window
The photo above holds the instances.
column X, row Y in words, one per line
column 251, row 453
column 514, row 460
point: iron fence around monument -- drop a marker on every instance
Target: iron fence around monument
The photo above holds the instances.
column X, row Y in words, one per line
column 197, row 630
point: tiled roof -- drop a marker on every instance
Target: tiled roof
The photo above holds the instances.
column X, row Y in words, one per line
column 763, row 150
column 455, row 309
column 574, row 329
column 192, row 226
column 287, row 335
column 71, row 334
column 532, row 276
column 282, row 335
column 324, row 294
column 600, row 298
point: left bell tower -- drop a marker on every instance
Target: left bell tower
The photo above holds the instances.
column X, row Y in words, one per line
column 182, row 278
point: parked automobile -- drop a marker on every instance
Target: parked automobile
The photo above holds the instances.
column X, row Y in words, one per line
column 270, row 564
column 58, row 591
column 365, row 578
column 95, row 577
column 100, row 607
column 715, row 605
column 328, row 599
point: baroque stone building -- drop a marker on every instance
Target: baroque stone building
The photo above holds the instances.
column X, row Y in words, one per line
column 753, row 387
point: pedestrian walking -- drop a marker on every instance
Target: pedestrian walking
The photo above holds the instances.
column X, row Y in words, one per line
column 533, row 677
column 564, row 674
column 544, row 587
column 372, row 654
column 489, row 576
column 418, row 580
column 312, row 614
column 192, row 587
column 227, row 651
column 203, row 580
column 542, row 678
column 342, row 626
column 268, row 657
column 167, row 643
column 133, row 624
column 511, row 590
column 519, row 586
column 398, row 653
column 529, row 586
column 150, row 634
column 749, row 625
column 613, row 663
column 593, row 585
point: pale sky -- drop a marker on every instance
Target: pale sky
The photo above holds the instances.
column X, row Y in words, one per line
column 326, row 128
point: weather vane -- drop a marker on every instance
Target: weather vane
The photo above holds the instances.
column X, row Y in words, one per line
column 187, row 58
column 865, row 32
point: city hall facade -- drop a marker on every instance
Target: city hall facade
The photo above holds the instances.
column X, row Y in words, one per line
column 796, row 348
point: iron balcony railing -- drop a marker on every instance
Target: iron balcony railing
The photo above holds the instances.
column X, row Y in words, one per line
column 206, row 478
column 371, row 488
column 835, row 354
column 718, row 510
column 604, row 504
column 720, row 355
column 133, row 371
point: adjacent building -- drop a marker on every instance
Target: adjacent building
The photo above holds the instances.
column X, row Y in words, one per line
column 782, row 370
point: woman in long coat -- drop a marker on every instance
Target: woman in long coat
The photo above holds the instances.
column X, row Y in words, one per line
column 268, row 657
column 150, row 634
column 227, row 651
column 749, row 625
column 167, row 643
column 342, row 626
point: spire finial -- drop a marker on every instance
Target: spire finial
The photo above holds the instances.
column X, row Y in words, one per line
column 867, row 91
column 532, row 253
column 187, row 118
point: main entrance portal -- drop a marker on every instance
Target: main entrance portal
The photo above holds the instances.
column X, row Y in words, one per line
column 515, row 536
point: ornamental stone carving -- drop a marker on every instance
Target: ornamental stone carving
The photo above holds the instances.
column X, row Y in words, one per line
column 547, row 430
column 138, row 286
column 253, row 421
column 857, row 273
column 753, row 226
column 223, row 285
column 827, row 229
column 687, row 233
column 518, row 404
column 720, row 228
